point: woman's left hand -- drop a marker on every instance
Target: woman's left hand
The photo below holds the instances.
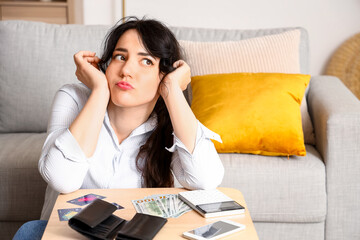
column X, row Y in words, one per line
column 180, row 77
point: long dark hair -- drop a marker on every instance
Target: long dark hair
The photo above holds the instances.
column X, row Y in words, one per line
column 160, row 42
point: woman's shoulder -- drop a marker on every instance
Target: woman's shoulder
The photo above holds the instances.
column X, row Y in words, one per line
column 77, row 91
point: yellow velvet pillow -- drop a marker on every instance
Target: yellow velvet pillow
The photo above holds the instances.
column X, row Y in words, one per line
column 256, row 113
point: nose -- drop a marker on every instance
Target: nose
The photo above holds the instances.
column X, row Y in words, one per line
column 127, row 68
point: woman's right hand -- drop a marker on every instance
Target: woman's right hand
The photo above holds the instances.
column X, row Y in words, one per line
column 88, row 72
column 88, row 123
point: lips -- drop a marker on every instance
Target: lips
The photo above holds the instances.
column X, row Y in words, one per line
column 124, row 85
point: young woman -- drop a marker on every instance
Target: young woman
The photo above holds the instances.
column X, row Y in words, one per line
column 128, row 125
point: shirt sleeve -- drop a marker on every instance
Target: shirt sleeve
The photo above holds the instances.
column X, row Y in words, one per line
column 203, row 168
column 63, row 164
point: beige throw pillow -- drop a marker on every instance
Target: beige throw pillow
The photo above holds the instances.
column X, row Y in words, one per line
column 277, row 53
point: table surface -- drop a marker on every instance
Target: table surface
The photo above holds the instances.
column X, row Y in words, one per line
column 57, row 229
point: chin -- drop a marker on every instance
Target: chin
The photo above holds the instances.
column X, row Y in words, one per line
column 130, row 102
column 122, row 103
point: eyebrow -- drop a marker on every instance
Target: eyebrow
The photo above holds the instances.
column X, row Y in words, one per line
column 139, row 53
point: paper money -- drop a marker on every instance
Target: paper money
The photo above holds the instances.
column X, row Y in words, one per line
column 162, row 205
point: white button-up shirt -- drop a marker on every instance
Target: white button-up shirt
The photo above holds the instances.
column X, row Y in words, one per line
column 65, row 168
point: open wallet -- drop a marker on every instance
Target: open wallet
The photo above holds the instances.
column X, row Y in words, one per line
column 96, row 221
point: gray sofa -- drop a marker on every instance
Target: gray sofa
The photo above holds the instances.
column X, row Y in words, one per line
column 312, row 197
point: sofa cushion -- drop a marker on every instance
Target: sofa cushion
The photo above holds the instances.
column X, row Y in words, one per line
column 270, row 53
column 296, row 231
column 255, row 113
column 22, row 188
column 217, row 35
column 36, row 60
column 277, row 189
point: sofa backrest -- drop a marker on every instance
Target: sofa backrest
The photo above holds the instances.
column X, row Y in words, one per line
column 36, row 59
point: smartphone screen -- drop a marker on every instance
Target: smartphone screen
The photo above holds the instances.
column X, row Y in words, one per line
column 214, row 229
column 218, row 207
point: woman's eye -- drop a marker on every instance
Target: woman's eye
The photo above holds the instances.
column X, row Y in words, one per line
column 147, row 62
column 119, row 57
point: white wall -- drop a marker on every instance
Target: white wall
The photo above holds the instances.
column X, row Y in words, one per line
column 105, row 12
column 329, row 22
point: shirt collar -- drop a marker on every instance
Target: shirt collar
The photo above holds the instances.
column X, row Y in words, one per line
column 147, row 126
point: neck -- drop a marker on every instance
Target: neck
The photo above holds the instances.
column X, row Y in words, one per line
column 125, row 120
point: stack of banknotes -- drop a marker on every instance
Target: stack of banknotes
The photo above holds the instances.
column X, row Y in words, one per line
column 165, row 205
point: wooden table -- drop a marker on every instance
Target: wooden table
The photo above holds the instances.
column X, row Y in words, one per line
column 173, row 229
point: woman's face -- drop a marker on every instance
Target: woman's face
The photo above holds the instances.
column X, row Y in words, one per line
column 133, row 75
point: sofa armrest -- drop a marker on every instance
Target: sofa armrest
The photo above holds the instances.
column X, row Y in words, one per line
column 335, row 113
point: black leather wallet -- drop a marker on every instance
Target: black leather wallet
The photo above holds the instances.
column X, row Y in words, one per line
column 96, row 221
column 141, row 227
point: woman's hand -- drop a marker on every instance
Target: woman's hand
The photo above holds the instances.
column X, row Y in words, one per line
column 88, row 72
column 182, row 118
column 88, row 123
column 179, row 78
